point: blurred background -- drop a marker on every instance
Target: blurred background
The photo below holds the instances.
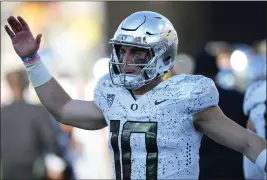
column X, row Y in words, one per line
column 216, row 39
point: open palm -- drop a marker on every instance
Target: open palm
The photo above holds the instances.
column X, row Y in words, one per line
column 23, row 41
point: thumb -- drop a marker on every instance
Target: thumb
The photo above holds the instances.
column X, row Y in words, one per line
column 38, row 39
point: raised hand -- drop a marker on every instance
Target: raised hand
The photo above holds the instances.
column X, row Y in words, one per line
column 23, row 41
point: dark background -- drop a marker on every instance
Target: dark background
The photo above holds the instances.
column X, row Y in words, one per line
column 199, row 22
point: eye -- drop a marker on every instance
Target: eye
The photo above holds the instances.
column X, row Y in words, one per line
column 138, row 52
column 122, row 51
column 140, row 61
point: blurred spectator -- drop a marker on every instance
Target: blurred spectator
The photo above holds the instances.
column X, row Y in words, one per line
column 29, row 149
column 68, row 146
column 94, row 161
column 184, row 64
column 217, row 161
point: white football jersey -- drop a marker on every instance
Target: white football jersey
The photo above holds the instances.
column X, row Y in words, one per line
column 153, row 137
column 255, row 107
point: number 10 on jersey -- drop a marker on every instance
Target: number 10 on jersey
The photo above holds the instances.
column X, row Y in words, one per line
column 129, row 127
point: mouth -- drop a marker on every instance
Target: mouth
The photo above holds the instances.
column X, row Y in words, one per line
column 130, row 72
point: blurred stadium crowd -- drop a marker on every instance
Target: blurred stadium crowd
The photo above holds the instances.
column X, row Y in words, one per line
column 74, row 49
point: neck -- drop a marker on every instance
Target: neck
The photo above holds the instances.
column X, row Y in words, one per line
column 144, row 89
column 18, row 95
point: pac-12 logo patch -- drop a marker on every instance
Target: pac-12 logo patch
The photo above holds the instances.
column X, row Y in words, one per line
column 110, row 99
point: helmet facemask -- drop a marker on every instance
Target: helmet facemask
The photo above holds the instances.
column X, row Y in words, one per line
column 148, row 70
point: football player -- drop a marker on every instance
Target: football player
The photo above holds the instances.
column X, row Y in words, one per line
column 255, row 107
column 155, row 126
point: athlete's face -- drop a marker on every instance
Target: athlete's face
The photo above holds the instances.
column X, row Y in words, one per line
column 133, row 55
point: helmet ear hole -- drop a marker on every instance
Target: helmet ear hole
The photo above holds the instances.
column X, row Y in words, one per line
column 166, row 60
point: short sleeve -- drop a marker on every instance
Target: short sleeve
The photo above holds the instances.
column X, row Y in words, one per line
column 255, row 94
column 100, row 98
column 203, row 95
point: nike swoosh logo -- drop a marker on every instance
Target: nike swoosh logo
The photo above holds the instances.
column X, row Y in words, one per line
column 159, row 102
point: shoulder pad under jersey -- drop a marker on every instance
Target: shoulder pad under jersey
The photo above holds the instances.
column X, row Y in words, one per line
column 103, row 85
column 204, row 93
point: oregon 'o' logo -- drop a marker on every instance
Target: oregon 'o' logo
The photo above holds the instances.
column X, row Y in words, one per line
column 134, row 107
column 124, row 37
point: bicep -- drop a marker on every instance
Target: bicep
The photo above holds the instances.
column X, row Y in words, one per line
column 82, row 114
column 225, row 131
column 213, row 123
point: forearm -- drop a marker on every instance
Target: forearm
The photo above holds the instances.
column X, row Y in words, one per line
column 53, row 97
column 81, row 114
column 255, row 145
column 50, row 93
column 77, row 113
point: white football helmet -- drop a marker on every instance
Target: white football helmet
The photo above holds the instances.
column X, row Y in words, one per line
column 148, row 30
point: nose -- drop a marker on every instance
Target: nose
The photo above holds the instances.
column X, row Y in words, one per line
column 128, row 58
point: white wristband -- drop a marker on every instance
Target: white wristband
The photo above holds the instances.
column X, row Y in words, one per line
column 37, row 72
column 261, row 161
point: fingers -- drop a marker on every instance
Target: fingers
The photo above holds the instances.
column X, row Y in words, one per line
column 23, row 23
column 38, row 39
column 14, row 24
column 9, row 32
